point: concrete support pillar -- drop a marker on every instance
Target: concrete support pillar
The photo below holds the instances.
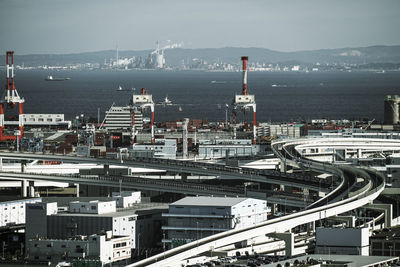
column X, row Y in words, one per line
column 282, row 166
column 184, row 176
column 106, row 169
column 311, row 227
column 274, row 208
column 388, row 208
column 77, row 190
column 31, row 189
column 24, row 183
column 76, row 187
column 289, row 241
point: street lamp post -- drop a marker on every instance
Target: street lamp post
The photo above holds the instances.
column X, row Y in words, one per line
column 197, row 230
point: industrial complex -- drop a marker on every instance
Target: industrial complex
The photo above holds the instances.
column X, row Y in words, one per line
column 131, row 191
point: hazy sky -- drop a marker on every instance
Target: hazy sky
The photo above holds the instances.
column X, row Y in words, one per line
column 65, row 26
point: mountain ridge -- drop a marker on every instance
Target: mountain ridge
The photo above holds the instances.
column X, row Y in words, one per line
column 348, row 55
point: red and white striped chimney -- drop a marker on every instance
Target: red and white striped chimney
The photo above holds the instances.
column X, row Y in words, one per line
column 244, row 60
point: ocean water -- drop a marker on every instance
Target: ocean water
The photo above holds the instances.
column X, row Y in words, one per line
column 203, row 95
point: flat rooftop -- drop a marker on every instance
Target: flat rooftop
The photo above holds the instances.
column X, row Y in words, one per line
column 337, row 260
column 209, row 201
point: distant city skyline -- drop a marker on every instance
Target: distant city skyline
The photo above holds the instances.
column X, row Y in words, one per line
column 71, row 26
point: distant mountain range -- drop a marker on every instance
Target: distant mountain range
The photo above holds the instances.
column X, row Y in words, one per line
column 358, row 55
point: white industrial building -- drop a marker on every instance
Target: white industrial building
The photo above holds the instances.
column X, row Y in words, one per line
column 276, row 130
column 342, row 241
column 126, row 199
column 219, row 148
column 120, row 119
column 124, row 216
column 92, row 207
column 103, row 247
column 13, row 212
column 36, row 120
column 84, row 218
column 193, row 218
column 162, row 148
column 45, row 120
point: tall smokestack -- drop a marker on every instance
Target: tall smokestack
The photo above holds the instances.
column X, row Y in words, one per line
column 244, row 60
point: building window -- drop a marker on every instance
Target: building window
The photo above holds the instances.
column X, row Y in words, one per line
column 49, row 245
column 93, row 207
column 131, row 218
column 35, row 245
column 36, row 257
column 63, row 246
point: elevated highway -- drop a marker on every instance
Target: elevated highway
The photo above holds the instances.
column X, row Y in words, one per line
column 349, row 195
column 180, row 166
column 346, row 197
column 175, row 186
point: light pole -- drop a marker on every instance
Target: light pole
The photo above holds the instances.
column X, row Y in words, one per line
column 197, row 230
column 77, row 123
column 226, row 116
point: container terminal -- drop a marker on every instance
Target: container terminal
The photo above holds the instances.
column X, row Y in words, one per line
column 178, row 193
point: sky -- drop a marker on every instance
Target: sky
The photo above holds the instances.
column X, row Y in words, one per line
column 73, row 26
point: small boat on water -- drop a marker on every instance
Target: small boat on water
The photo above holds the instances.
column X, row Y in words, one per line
column 218, row 82
column 120, row 89
column 278, row 85
column 166, row 102
column 54, row 79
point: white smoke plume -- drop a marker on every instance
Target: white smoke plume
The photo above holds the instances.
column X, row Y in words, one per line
column 173, row 45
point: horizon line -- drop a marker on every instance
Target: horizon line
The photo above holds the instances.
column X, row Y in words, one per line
column 224, row 47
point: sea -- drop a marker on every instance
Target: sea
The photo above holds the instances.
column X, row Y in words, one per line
column 280, row 96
